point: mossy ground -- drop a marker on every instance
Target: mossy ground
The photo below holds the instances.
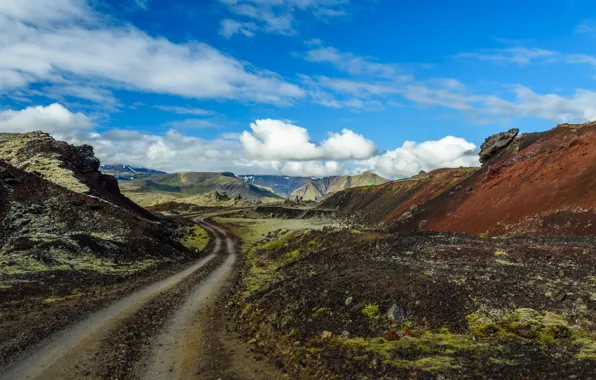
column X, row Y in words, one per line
column 196, row 237
column 321, row 301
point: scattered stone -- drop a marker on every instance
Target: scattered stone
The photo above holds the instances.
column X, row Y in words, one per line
column 422, row 224
column 405, row 217
column 349, row 300
column 396, row 313
column 391, row 335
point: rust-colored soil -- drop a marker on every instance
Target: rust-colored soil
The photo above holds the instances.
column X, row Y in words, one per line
column 544, row 184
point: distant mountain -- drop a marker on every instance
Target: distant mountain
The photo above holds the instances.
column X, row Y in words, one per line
column 195, row 183
column 282, row 185
column 127, row 172
column 322, row 187
column 312, row 188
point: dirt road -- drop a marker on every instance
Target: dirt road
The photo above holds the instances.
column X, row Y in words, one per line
column 165, row 350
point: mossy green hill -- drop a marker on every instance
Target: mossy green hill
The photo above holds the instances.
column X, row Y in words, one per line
column 197, row 183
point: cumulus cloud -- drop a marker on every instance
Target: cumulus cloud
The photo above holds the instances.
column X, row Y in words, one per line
column 277, row 140
column 412, row 157
column 270, row 147
column 65, row 41
column 52, row 119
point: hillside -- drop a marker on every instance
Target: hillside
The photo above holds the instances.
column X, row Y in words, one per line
column 282, row 185
column 195, row 183
column 541, row 184
column 73, row 167
column 127, row 172
column 319, row 188
column 387, row 202
column 58, row 213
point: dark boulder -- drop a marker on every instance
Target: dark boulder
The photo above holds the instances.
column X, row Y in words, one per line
column 495, row 144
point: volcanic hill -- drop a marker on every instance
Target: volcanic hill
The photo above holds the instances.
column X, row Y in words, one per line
column 538, row 184
column 60, row 215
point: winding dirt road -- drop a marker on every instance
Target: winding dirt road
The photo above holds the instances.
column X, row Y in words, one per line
column 172, row 352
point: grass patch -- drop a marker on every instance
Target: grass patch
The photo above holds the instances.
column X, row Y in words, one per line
column 197, row 238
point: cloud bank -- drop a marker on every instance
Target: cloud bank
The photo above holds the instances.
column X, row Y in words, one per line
column 269, row 147
column 66, row 42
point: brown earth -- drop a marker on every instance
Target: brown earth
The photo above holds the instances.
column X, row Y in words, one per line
column 384, row 203
column 541, row 184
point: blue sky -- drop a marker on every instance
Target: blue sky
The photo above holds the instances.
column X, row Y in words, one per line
column 299, row 87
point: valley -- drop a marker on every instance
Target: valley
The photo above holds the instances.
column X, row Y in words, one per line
column 398, row 279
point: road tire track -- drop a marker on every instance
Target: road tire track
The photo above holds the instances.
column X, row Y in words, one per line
column 61, row 355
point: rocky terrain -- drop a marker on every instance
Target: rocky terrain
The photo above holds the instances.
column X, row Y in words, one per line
column 536, row 184
column 67, row 235
column 352, row 304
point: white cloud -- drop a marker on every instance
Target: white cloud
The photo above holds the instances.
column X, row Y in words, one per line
column 580, row 107
column 276, row 16
column 142, row 3
column 514, row 55
column 53, row 119
column 230, row 27
column 80, row 91
column 40, row 44
column 412, row 157
column 192, row 123
column 350, row 63
column 586, row 27
column 276, row 140
column 186, row 110
column 271, row 147
column 44, row 11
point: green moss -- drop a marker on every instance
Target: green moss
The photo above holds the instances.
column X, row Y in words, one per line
column 505, row 262
column 587, row 350
column 529, row 323
column 371, row 311
column 524, row 322
column 436, row 349
column 319, row 312
column 196, row 238
column 275, row 244
column 294, row 255
column 435, row 364
column 481, row 325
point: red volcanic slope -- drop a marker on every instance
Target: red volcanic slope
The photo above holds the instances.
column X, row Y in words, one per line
column 387, row 202
column 541, row 184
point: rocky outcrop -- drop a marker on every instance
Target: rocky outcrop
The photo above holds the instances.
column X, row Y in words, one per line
column 494, row 144
column 70, row 166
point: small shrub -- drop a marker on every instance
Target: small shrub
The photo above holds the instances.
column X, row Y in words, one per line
column 371, row 311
